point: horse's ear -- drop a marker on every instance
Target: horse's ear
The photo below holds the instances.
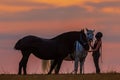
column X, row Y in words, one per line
column 87, row 29
column 82, row 30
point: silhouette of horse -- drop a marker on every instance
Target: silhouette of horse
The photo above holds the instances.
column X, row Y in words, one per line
column 56, row 48
column 79, row 53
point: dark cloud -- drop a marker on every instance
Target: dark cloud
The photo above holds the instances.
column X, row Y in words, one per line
column 111, row 38
column 9, row 36
column 23, row 3
column 52, row 13
column 61, row 13
column 104, row 4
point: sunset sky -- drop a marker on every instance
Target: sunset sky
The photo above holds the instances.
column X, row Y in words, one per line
column 48, row 18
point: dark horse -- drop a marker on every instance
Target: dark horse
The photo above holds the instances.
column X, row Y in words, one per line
column 55, row 49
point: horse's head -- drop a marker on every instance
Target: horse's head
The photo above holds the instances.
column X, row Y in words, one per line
column 90, row 34
column 83, row 40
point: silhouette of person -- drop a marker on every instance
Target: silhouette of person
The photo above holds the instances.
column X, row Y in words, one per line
column 96, row 50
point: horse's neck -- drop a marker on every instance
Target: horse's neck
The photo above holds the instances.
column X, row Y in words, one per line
column 78, row 46
column 79, row 50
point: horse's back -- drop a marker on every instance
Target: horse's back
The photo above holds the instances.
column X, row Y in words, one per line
column 27, row 41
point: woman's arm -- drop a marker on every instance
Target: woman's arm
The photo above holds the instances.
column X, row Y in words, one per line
column 90, row 44
column 97, row 47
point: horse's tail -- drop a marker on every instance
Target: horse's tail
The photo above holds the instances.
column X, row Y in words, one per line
column 46, row 65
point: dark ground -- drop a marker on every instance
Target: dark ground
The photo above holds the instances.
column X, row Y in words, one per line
column 112, row 76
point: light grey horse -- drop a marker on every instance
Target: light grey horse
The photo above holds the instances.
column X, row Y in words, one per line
column 80, row 53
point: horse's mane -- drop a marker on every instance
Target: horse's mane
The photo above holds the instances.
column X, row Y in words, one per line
column 66, row 35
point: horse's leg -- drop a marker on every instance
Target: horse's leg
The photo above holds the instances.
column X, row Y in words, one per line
column 58, row 66
column 76, row 64
column 20, row 66
column 53, row 66
column 82, row 66
column 23, row 62
column 26, row 56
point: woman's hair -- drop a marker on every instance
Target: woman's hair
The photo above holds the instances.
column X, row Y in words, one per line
column 99, row 35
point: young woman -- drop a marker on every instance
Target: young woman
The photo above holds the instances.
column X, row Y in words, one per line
column 96, row 50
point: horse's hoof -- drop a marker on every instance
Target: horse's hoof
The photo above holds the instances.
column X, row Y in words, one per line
column 25, row 74
column 74, row 72
column 49, row 73
column 19, row 73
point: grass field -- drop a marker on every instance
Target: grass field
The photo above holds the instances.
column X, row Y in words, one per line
column 61, row 77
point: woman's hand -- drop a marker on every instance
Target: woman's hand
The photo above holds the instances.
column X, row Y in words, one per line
column 90, row 51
